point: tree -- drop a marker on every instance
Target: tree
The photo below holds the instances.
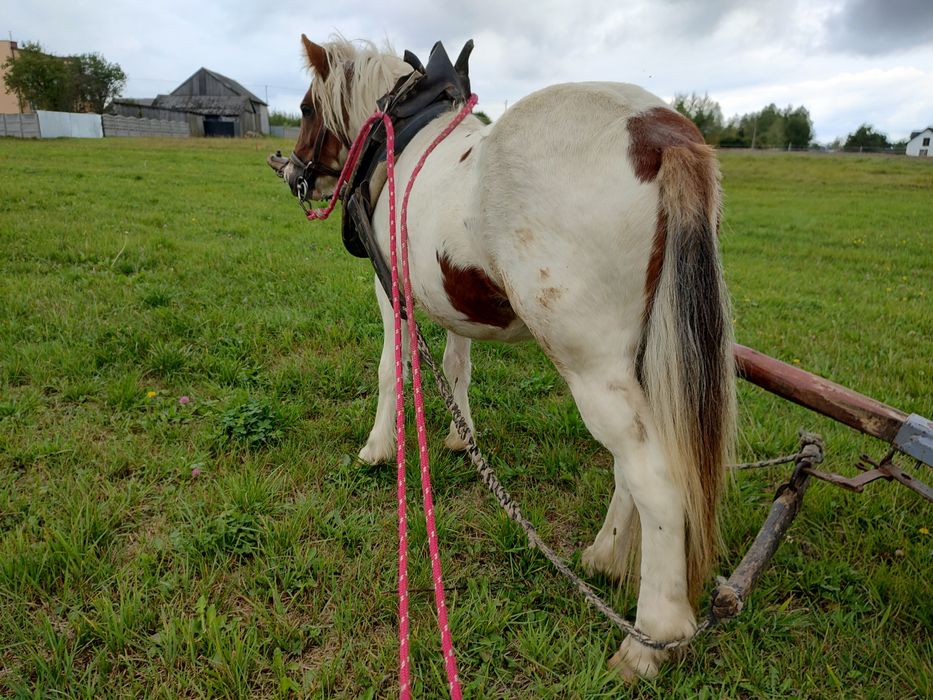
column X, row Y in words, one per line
column 38, row 79
column 770, row 128
column 865, row 137
column 277, row 118
column 96, row 81
column 702, row 111
column 76, row 83
column 798, row 127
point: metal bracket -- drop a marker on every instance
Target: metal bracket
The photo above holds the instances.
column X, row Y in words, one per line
column 872, row 471
column 915, row 439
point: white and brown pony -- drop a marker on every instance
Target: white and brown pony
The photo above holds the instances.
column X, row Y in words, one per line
column 586, row 218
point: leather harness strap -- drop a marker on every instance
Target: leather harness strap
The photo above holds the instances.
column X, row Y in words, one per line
column 417, row 99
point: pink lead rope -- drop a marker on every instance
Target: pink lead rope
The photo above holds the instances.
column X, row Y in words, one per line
column 450, row 661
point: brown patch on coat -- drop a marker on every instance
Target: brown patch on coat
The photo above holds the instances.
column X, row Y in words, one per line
column 466, row 154
column 544, row 273
column 473, row 294
column 654, row 131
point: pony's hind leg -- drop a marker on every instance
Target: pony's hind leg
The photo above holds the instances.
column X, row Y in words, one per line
column 612, row 550
column 616, row 412
column 457, row 368
column 380, row 447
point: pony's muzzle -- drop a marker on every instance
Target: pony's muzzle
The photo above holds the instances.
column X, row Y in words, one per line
column 293, row 176
column 277, row 162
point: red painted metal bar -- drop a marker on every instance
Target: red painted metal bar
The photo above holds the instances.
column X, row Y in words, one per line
column 821, row 395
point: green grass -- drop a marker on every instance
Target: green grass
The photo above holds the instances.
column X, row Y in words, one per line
column 231, row 546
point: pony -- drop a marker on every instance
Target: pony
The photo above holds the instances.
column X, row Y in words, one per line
column 586, row 218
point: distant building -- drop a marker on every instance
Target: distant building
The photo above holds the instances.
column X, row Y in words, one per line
column 10, row 103
column 226, row 108
column 142, row 108
column 213, row 104
column 919, row 144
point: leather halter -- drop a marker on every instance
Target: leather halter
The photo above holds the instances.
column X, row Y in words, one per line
column 308, row 172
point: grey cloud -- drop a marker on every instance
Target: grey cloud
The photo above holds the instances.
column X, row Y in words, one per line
column 872, row 27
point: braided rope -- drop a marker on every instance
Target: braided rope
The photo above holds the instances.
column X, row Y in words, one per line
column 786, row 459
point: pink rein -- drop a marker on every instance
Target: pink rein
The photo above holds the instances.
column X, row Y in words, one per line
column 450, row 661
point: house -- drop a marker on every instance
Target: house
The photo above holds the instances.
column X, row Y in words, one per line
column 919, row 144
column 225, row 107
column 10, row 103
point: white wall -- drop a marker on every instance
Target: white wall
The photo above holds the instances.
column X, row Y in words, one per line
column 53, row 125
column 916, row 144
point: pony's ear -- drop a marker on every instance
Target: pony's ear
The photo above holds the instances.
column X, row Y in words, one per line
column 317, row 58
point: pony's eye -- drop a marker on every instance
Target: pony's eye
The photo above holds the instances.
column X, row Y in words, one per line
column 307, row 111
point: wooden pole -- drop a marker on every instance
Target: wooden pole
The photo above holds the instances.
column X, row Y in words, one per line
column 729, row 596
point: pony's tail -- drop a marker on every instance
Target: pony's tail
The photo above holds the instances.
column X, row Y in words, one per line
column 686, row 365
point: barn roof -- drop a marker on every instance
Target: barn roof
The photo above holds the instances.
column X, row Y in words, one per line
column 915, row 134
column 134, row 101
column 205, row 104
column 229, row 83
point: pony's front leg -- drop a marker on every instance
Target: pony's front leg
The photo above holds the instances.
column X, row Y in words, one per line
column 380, row 447
column 457, row 368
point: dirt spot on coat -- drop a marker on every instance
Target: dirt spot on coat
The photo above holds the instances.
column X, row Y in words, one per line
column 525, row 236
column 548, row 296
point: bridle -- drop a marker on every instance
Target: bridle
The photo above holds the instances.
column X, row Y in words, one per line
column 308, row 172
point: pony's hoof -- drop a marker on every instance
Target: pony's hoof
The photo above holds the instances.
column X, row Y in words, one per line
column 634, row 660
column 592, row 561
column 374, row 453
column 453, row 441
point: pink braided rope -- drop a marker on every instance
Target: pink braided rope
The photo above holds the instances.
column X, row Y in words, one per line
column 352, row 157
column 450, row 661
column 447, row 645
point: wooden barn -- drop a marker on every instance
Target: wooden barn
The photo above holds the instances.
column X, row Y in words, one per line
column 216, row 105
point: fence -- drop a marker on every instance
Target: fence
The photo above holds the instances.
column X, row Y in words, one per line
column 50, row 125
column 24, row 126
column 53, row 125
column 287, row 132
column 116, row 125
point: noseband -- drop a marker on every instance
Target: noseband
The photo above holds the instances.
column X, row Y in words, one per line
column 308, row 172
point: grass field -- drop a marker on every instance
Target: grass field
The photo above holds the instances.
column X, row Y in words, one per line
column 227, row 544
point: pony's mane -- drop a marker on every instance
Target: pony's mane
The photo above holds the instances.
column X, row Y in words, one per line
column 373, row 74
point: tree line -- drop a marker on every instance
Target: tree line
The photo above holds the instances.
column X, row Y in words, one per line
column 771, row 127
column 83, row 83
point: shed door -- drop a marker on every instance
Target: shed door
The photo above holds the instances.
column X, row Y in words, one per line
column 215, row 127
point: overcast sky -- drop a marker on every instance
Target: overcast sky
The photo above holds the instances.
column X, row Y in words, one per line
column 847, row 61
